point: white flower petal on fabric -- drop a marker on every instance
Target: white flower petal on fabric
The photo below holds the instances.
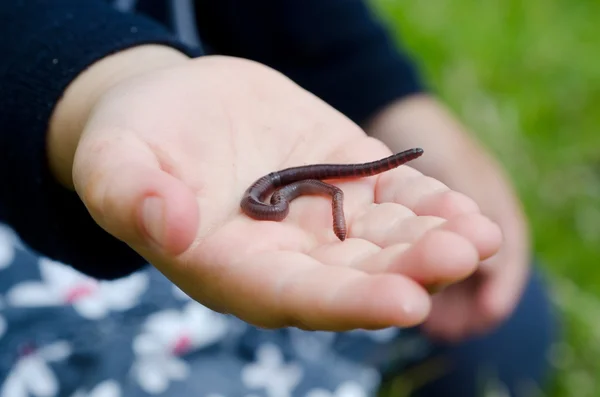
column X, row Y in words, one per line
column 154, row 373
column 7, row 246
column 37, row 376
column 311, row 346
column 156, row 362
column 62, row 285
column 176, row 368
column 107, row 388
column 169, row 333
column 147, row 344
column 13, row 386
column 164, row 327
column 61, row 276
column 54, row 289
column 346, row 389
column 93, row 308
column 194, row 327
column 271, row 373
column 205, row 326
column 369, row 378
column 123, row 294
column 31, row 375
column 350, row 389
column 151, row 378
column 32, row 294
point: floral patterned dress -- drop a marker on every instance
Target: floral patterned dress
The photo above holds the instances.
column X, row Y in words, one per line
column 63, row 334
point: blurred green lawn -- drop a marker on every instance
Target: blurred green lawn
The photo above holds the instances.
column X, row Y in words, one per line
column 525, row 77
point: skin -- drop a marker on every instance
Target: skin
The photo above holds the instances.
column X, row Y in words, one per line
column 161, row 148
column 483, row 301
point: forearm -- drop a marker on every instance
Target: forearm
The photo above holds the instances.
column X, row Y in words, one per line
column 454, row 156
column 51, row 44
column 422, row 121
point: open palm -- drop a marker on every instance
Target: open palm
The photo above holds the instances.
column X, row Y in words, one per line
column 166, row 158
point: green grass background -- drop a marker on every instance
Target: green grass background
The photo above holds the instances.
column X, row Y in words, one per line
column 525, row 77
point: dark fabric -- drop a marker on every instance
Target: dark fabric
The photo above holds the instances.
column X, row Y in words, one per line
column 338, row 49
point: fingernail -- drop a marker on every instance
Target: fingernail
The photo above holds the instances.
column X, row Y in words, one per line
column 153, row 215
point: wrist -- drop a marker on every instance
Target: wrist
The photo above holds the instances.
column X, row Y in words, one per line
column 452, row 154
column 73, row 110
column 450, row 150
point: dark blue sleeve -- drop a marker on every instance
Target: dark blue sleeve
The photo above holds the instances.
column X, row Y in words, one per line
column 339, row 50
column 44, row 45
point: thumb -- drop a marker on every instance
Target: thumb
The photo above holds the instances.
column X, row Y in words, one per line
column 123, row 186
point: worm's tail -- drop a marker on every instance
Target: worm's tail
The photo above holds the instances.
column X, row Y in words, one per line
column 330, row 171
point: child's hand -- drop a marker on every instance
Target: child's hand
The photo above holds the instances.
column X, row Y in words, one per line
column 484, row 300
column 165, row 157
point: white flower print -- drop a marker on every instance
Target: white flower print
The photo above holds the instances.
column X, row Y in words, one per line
column 63, row 285
column 271, row 373
column 311, row 346
column 154, row 371
column 8, row 243
column 235, row 325
column 169, row 334
column 107, row 388
column 346, row 389
column 194, row 326
column 31, row 375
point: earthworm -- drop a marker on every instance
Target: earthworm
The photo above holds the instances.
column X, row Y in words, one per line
column 287, row 184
